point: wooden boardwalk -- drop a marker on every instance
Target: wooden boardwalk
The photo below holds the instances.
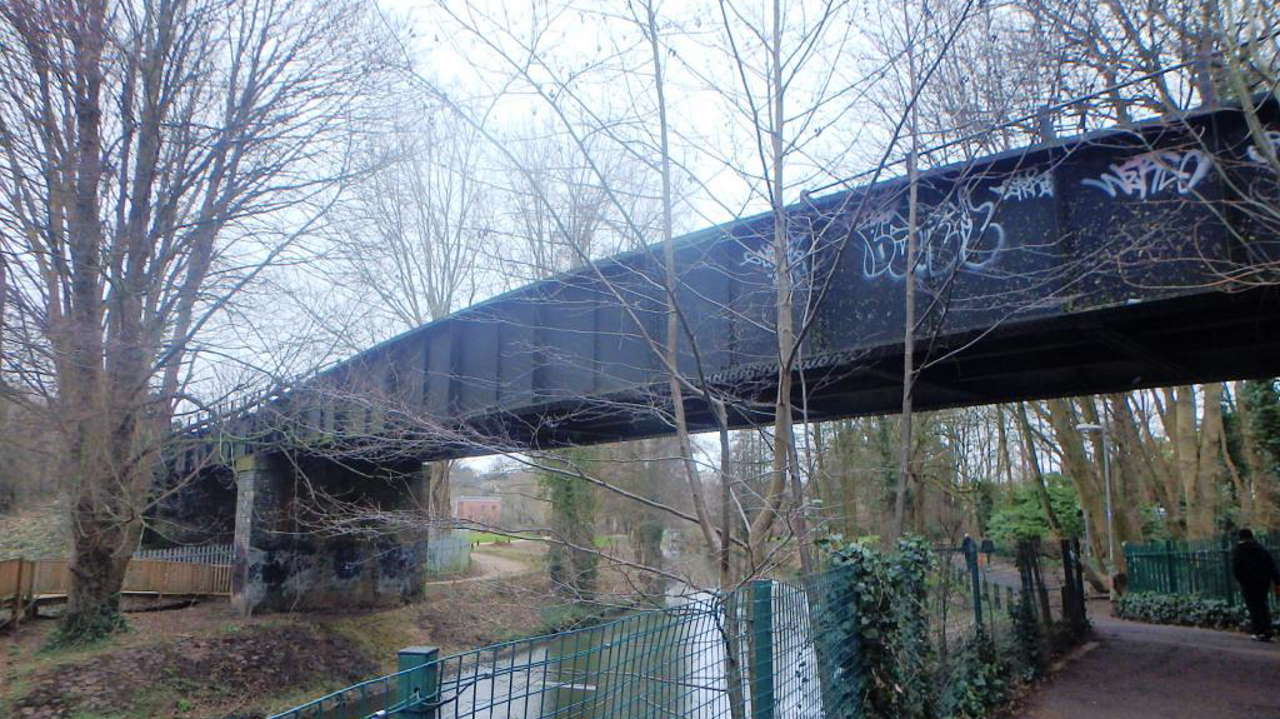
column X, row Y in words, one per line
column 28, row 583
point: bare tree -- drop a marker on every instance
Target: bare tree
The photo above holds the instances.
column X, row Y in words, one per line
column 779, row 132
column 546, row 169
column 157, row 157
column 595, row 149
column 412, row 233
column 793, row 93
column 412, row 230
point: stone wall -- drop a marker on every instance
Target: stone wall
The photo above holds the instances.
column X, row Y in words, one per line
column 286, row 562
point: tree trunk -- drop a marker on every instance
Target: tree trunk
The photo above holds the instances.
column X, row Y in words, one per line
column 1082, row 472
column 1033, row 461
column 1142, row 451
column 1004, row 464
column 1232, row 471
column 1132, row 472
column 908, row 347
column 1208, row 465
column 439, row 496
column 784, row 318
column 671, row 351
column 1261, row 484
column 1164, row 467
column 97, row 569
column 1186, row 444
column 98, row 533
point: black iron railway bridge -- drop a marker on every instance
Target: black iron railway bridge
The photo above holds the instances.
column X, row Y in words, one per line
column 1129, row 258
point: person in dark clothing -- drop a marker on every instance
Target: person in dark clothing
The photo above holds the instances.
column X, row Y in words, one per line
column 1255, row 570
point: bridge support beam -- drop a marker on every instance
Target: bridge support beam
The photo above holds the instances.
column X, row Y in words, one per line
column 282, row 562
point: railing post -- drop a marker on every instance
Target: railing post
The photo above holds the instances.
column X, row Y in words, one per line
column 1073, row 591
column 1068, row 586
column 762, row 700
column 419, row 683
column 17, row 596
column 971, row 562
column 1171, row 566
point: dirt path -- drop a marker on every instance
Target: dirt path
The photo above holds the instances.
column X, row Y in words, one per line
column 1146, row 670
column 489, row 566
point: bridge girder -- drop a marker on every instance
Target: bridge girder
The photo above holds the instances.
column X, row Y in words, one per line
column 1088, row 265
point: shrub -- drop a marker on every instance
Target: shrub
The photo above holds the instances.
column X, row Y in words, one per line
column 1022, row 516
column 1182, row 609
column 896, row 672
column 977, row 683
column 1028, row 645
column 889, row 593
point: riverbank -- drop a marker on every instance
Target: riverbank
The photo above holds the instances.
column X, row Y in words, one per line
column 205, row 662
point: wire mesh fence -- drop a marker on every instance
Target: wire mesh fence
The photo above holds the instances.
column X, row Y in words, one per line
column 954, row 615
column 448, row 552
column 752, row 649
column 1197, row 567
column 771, row 649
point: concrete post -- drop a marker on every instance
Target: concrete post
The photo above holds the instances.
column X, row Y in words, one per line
column 249, row 475
column 278, row 565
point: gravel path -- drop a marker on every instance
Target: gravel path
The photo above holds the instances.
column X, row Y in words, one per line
column 1146, row 670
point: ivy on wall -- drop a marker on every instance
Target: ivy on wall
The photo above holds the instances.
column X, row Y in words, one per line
column 900, row 674
column 571, row 559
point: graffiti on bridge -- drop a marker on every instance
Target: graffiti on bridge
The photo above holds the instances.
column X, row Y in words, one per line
column 1152, row 173
column 960, row 232
column 1027, row 185
column 952, row 234
column 1272, row 139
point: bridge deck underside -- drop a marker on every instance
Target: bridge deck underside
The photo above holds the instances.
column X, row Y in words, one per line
column 1209, row 337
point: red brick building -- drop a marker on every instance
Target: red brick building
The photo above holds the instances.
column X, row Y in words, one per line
column 482, row 510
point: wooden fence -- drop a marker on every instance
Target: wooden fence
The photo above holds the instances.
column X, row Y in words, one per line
column 23, row 581
column 198, row 554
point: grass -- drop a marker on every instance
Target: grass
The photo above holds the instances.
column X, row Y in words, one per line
column 378, row 634
column 490, row 538
column 40, row 532
column 171, row 689
column 609, row 541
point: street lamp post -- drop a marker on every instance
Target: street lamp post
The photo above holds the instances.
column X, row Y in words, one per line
column 1106, row 481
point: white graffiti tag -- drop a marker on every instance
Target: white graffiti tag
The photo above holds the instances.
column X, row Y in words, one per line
column 954, row 234
column 1025, row 186
column 1153, row 172
column 798, row 256
column 1272, row 138
column 763, row 256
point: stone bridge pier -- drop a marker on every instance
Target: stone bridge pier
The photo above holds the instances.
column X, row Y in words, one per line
column 308, row 534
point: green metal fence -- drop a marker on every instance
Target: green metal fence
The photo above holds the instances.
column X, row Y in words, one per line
column 1200, row 567
column 754, row 648
column 770, row 650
